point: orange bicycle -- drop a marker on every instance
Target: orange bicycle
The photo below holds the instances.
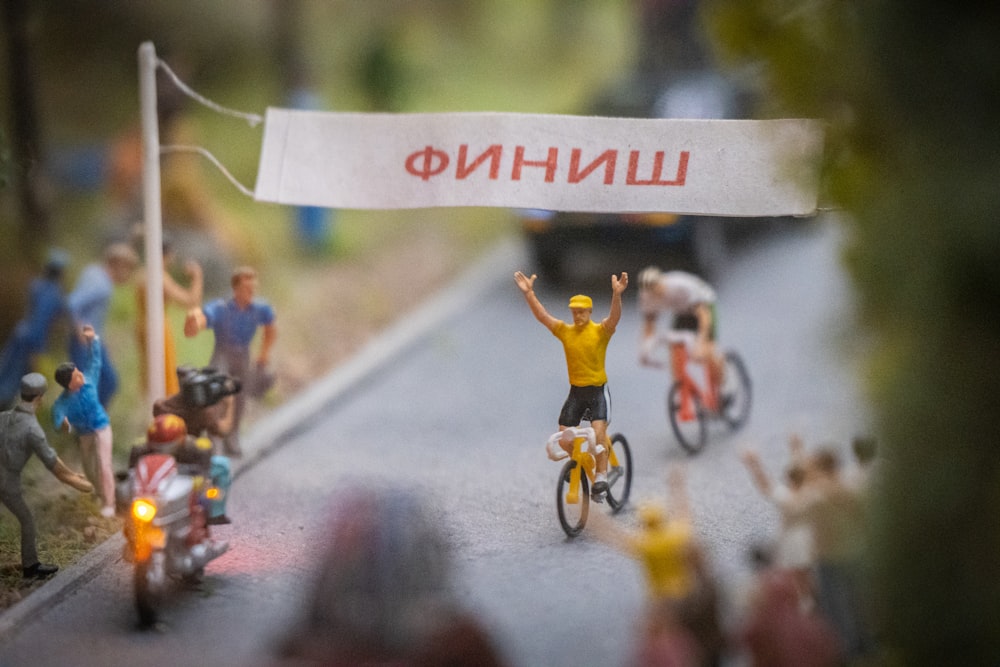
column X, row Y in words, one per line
column 691, row 405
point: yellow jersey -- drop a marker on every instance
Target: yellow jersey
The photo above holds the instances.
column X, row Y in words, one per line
column 585, row 349
column 664, row 553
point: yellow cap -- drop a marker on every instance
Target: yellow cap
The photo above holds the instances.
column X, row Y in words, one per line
column 581, row 301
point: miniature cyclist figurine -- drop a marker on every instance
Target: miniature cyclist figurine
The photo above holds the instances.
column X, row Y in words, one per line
column 585, row 343
column 692, row 302
column 559, row 446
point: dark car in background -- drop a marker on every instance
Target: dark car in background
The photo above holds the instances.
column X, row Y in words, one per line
column 567, row 244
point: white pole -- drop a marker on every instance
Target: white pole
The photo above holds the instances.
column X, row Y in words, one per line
column 156, row 387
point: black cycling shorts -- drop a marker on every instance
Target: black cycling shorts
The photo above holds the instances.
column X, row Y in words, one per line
column 689, row 322
column 588, row 403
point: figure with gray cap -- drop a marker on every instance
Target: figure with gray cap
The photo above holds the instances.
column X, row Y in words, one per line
column 585, row 344
column 21, row 436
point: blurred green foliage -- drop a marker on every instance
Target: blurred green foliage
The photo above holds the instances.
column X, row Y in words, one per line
column 911, row 94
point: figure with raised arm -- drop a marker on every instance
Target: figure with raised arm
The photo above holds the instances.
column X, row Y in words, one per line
column 89, row 302
column 173, row 292
column 235, row 322
column 78, row 409
column 585, row 344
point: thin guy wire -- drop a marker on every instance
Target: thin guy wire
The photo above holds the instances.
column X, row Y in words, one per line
column 253, row 119
column 211, row 158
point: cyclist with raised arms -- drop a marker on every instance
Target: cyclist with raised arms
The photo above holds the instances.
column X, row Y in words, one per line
column 585, row 343
column 691, row 301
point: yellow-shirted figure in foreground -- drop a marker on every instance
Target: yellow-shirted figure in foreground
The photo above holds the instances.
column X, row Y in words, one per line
column 585, row 343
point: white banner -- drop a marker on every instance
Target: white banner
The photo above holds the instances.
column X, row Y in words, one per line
column 568, row 163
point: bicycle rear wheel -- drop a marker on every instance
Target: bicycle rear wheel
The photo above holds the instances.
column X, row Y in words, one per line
column 572, row 516
column 620, row 475
column 736, row 395
column 689, row 425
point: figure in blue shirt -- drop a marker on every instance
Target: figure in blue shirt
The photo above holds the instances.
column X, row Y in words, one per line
column 235, row 322
column 88, row 304
column 31, row 334
column 79, row 409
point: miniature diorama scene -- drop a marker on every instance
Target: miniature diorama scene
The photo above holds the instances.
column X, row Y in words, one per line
column 268, row 396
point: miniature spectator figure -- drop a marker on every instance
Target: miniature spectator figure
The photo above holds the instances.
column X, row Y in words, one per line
column 691, row 301
column 173, row 293
column 78, row 409
column 794, row 545
column 21, row 436
column 683, row 601
column 776, row 631
column 382, row 592
column 31, row 334
column 88, row 304
column 865, row 450
column 235, row 322
column 836, row 513
column 585, row 343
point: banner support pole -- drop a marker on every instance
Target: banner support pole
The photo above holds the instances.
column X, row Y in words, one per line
column 153, row 233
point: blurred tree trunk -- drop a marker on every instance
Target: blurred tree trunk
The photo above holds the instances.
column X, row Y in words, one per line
column 911, row 93
column 26, row 146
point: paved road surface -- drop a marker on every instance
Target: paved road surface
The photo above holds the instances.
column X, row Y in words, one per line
column 461, row 413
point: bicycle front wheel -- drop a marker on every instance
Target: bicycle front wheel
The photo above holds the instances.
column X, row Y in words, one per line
column 735, row 397
column 619, row 473
column 572, row 516
column 688, row 421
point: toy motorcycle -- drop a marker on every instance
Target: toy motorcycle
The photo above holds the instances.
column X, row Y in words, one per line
column 166, row 528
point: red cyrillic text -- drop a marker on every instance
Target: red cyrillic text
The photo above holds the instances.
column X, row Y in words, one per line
column 429, row 162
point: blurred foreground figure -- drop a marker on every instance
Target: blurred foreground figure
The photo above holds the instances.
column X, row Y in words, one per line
column 381, row 593
column 681, row 624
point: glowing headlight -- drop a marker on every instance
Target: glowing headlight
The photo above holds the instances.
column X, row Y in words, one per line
column 143, row 510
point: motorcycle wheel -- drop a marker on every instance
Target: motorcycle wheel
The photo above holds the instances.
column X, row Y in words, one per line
column 148, row 583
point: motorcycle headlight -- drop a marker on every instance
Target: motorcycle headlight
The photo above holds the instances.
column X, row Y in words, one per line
column 143, row 510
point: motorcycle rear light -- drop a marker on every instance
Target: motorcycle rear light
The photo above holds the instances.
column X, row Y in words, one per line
column 212, row 493
column 143, row 510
